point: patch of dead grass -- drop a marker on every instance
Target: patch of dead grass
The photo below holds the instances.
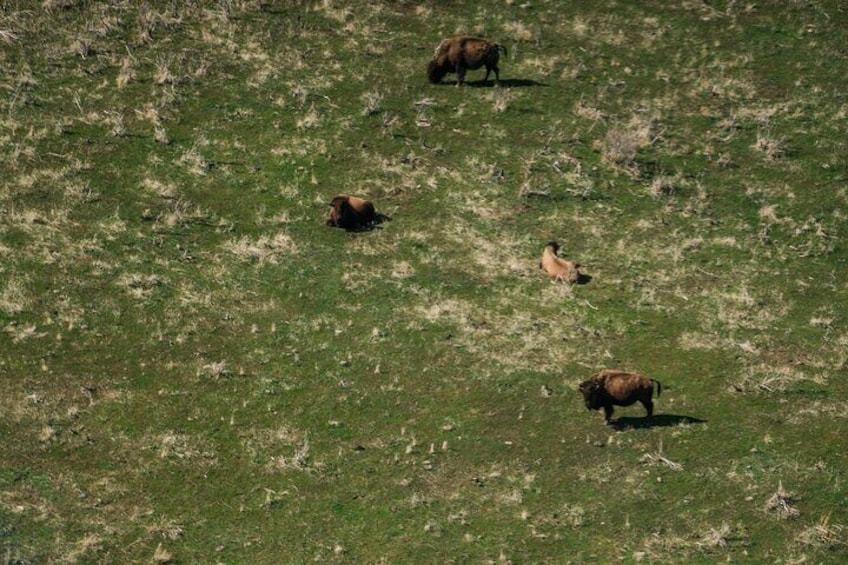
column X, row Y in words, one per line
column 824, row 535
column 781, row 504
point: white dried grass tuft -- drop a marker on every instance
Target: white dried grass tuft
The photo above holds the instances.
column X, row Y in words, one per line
column 781, row 504
column 162, row 555
column 622, row 143
column 141, row 286
column 14, row 297
column 8, row 36
column 824, row 535
column 264, row 249
column 715, row 538
column 519, row 31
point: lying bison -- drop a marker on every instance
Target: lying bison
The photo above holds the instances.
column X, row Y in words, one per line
column 620, row 388
column 351, row 212
column 458, row 54
column 556, row 267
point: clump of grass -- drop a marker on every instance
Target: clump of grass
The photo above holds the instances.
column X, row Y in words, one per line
column 824, row 535
column 372, row 101
column 660, row 459
column 781, row 504
column 115, row 122
column 60, row 4
column 772, row 147
column 162, row 555
column 177, row 446
column 141, row 286
column 216, row 369
column 299, row 460
column 622, row 143
column 715, row 538
column 86, row 548
column 163, row 74
column 502, row 99
column 193, row 159
column 666, row 185
column 168, row 529
column 83, row 46
column 264, row 249
column 152, row 114
column 519, row 31
column 127, row 73
column 14, row 297
column 573, row 515
column 585, row 111
column 8, row 36
column 767, row 378
column 24, row 332
column 182, row 212
column 310, row 119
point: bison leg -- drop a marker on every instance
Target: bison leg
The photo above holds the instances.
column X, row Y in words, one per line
column 608, row 409
column 460, row 75
column 490, row 68
column 649, row 406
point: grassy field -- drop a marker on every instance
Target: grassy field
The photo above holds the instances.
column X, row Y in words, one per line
column 195, row 369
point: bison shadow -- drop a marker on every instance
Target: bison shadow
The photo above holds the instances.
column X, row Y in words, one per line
column 583, row 278
column 505, row 82
column 655, row 421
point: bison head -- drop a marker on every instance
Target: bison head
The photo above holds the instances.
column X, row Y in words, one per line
column 592, row 394
column 341, row 212
column 436, row 71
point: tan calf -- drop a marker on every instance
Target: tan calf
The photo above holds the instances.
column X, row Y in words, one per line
column 558, row 268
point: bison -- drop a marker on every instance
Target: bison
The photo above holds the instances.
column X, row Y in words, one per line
column 458, row 54
column 620, row 388
column 351, row 212
column 556, row 267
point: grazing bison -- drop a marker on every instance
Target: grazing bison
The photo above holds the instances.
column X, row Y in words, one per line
column 351, row 212
column 458, row 54
column 620, row 388
column 556, row 267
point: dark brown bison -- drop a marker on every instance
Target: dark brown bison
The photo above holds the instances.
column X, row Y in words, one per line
column 556, row 267
column 351, row 212
column 620, row 388
column 458, row 54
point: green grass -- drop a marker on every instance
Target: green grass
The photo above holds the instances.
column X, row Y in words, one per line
column 195, row 369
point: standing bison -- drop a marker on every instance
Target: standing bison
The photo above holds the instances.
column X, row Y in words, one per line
column 458, row 54
column 351, row 213
column 620, row 388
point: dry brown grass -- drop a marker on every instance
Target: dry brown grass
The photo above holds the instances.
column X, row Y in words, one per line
column 781, row 504
column 622, row 143
column 824, row 535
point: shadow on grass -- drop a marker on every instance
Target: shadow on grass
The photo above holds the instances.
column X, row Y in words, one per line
column 505, row 83
column 657, row 421
column 583, row 278
column 508, row 83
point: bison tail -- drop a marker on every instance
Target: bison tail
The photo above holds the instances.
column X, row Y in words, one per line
column 659, row 386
